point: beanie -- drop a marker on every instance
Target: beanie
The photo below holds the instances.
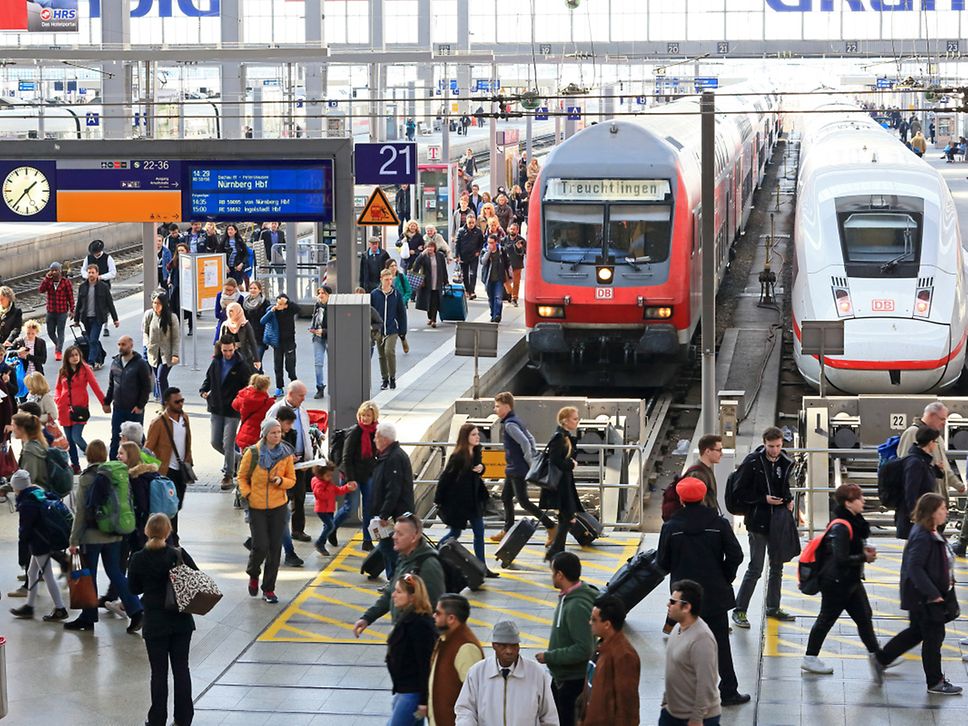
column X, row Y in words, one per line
column 20, row 480
column 690, row 489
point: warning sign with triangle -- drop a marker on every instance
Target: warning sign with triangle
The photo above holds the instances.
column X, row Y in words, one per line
column 378, row 211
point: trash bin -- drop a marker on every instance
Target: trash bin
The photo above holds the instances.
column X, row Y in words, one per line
column 3, row 676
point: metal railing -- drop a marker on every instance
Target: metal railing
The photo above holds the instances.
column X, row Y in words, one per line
column 426, row 478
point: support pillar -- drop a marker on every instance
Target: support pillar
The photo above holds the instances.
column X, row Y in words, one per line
column 708, row 187
column 316, row 76
column 115, row 86
column 232, row 74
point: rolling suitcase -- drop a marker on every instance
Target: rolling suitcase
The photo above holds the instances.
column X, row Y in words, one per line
column 453, row 303
column 515, row 540
column 635, row 579
column 373, row 565
column 586, row 529
column 453, row 554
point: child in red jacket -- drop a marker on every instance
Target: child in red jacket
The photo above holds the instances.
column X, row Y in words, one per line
column 325, row 490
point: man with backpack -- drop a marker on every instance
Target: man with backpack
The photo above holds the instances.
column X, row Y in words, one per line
column 710, row 454
column 170, row 438
column 935, row 416
column 698, row 544
column 755, row 489
column 129, row 387
column 519, row 450
column 920, row 476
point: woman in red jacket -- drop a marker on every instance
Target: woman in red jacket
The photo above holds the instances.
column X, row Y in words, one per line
column 252, row 403
column 72, row 401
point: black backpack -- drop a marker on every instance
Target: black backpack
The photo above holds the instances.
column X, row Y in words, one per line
column 733, row 490
column 337, row 439
column 890, row 483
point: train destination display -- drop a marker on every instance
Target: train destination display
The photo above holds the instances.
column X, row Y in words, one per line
column 156, row 190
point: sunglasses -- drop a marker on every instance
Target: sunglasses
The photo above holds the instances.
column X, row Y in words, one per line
column 178, row 400
column 673, row 601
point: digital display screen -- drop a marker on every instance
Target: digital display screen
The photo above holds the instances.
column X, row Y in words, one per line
column 119, row 174
column 258, row 190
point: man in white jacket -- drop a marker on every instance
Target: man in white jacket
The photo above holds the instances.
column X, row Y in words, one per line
column 506, row 689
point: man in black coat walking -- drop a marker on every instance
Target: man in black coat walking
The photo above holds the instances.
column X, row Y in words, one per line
column 920, row 477
column 392, row 488
column 129, row 386
column 372, row 263
column 697, row 544
column 227, row 374
column 468, row 248
column 94, row 304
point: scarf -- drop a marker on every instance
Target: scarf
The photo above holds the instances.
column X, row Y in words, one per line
column 251, row 302
column 366, row 439
column 236, row 318
column 227, row 300
column 270, row 456
column 860, row 526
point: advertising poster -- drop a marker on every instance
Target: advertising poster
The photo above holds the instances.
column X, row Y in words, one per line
column 39, row 16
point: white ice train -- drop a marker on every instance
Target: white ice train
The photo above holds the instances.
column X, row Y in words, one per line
column 877, row 245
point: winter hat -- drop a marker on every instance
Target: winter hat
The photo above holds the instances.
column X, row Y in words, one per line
column 55, row 266
column 506, row 633
column 690, row 490
column 20, row 480
column 267, row 426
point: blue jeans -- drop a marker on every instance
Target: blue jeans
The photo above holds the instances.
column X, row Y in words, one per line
column 477, row 527
column 404, row 706
column 93, row 331
column 161, row 379
column 118, row 417
column 665, row 719
column 351, row 503
column 75, row 441
column 287, row 535
column 390, row 556
column 319, row 359
column 110, row 555
column 495, row 297
column 328, row 526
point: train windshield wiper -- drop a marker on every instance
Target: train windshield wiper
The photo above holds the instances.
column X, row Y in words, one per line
column 891, row 264
column 634, row 262
column 583, row 259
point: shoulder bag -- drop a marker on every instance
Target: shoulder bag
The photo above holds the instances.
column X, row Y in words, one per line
column 189, row 590
column 543, row 473
column 186, row 469
column 78, row 414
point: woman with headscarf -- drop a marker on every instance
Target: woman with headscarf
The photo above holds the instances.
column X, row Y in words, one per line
column 230, row 293
column 161, row 340
column 266, row 471
column 255, row 306
column 236, row 327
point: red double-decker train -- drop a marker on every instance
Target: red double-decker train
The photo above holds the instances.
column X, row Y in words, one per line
column 614, row 263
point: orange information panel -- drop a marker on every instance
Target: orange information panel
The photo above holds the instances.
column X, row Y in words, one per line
column 119, row 206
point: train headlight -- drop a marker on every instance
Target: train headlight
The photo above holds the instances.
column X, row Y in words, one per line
column 658, row 313
column 604, row 275
column 922, row 302
column 551, row 311
column 845, row 307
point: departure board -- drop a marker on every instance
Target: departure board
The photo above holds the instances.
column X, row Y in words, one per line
column 258, row 190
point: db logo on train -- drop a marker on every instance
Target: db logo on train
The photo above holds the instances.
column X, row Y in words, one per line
column 882, row 305
column 603, row 293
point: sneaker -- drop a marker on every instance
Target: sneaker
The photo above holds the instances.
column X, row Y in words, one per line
column 56, row 614
column 945, row 688
column 116, row 607
column 384, row 385
column 270, row 597
column 302, row 537
column 58, row 355
column 292, row 560
column 497, row 537
column 278, row 393
column 19, row 592
column 812, row 664
column 877, row 668
column 319, row 392
column 779, row 614
column 393, row 384
column 332, row 539
column 227, row 484
column 959, row 548
column 367, row 546
column 963, row 641
column 323, row 552
column 79, row 624
column 137, row 620
column 735, row 699
column 739, row 619
column 24, row 612
column 99, row 366
column 491, row 574
column 253, row 586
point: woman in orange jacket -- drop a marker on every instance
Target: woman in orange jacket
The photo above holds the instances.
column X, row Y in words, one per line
column 266, row 471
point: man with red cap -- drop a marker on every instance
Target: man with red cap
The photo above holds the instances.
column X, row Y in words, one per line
column 698, row 544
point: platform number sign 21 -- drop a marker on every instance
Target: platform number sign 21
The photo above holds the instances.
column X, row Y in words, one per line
column 386, row 163
column 898, row 421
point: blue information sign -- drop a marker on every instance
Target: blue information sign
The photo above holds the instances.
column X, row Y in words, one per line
column 288, row 191
column 705, row 83
column 389, row 163
column 641, row 100
column 574, row 113
column 885, row 83
column 92, row 119
column 27, row 86
column 541, row 113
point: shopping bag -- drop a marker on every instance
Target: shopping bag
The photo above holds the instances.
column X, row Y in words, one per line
column 416, row 280
column 784, row 541
column 81, row 585
column 190, row 591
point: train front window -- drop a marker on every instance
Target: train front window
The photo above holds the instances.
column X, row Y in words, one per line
column 880, row 234
column 573, row 232
column 639, row 233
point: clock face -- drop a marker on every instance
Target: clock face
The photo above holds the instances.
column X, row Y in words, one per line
column 26, row 191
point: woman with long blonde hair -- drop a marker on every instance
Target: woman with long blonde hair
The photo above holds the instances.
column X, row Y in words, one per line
column 562, row 451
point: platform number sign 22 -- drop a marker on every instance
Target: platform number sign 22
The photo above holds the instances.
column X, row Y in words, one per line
column 898, row 421
column 386, row 163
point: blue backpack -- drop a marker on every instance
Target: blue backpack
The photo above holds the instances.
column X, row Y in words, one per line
column 163, row 497
column 887, row 451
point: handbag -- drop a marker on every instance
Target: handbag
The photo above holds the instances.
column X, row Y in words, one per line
column 8, row 462
column 784, row 541
column 81, row 585
column 416, row 280
column 186, row 469
column 543, row 473
column 190, row 590
column 78, row 414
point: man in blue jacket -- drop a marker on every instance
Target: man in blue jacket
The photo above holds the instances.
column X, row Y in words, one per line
column 388, row 303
